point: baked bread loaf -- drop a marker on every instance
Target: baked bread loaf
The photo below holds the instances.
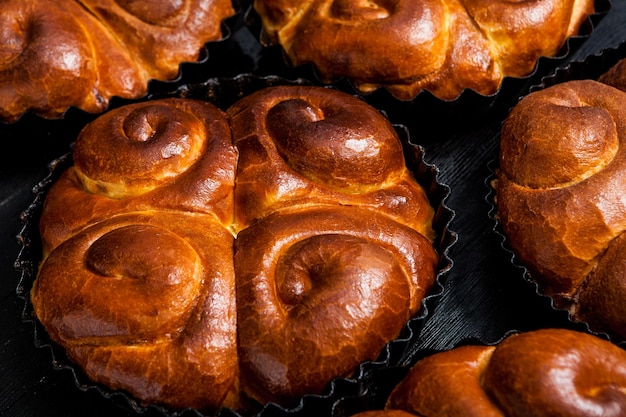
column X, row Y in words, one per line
column 559, row 196
column 57, row 54
column 616, row 75
column 545, row 372
column 410, row 46
column 220, row 285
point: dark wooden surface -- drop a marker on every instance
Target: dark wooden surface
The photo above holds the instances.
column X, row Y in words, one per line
column 484, row 297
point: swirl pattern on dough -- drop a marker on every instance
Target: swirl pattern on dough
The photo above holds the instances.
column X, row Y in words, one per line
column 309, row 146
column 170, row 154
column 442, row 46
column 145, row 258
column 539, row 373
column 560, row 199
column 58, row 54
column 145, row 303
column 311, row 281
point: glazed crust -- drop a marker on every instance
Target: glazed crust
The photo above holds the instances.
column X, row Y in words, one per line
column 354, row 157
column 160, row 249
column 166, row 155
column 411, row 46
column 559, row 195
column 145, row 303
column 338, row 275
column 60, row 54
column 547, row 372
column 616, row 75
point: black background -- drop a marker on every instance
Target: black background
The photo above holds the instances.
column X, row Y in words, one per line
column 485, row 296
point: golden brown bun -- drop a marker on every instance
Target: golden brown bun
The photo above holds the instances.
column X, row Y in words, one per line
column 59, row 53
column 169, row 155
column 560, row 196
column 353, row 156
column 410, row 46
column 145, row 303
column 157, row 182
column 546, row 372
column 616, row 75
column 336, row 271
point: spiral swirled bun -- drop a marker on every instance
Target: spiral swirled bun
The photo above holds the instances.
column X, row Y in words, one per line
column 559, row 195
column 409, row 46
column 145, row 303
column 171, row 155
column 350, row 158
column 544, row 372
column 332, row 269
column 58, row 54
column 176, row 269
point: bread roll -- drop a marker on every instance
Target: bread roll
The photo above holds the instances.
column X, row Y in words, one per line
column 57, row 54
column 547, row 372
column 170, row 154
column 312, row 282
column 410, row 46
column 616, row 75
column 560, row 199
column 353, row 157
column 169, row 272
column 145, row 302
